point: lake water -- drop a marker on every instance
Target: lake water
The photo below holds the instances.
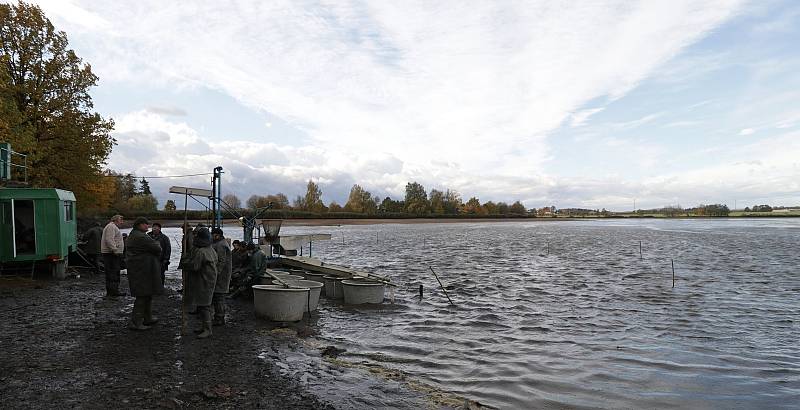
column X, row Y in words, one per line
column 567, row 313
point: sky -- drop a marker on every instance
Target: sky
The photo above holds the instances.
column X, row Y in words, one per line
column 593, row 104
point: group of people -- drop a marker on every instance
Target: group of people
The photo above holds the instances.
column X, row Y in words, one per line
column 206, row 261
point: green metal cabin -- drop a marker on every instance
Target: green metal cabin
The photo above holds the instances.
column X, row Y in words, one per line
column 37, row 225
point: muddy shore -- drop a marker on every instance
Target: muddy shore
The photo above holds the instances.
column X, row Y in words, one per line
column 64, row 345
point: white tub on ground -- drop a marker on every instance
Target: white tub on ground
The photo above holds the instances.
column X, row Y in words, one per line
column 316, row 290
column 357, row 292
column 280, row 304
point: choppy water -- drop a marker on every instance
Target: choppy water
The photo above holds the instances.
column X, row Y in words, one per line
column 588, row 324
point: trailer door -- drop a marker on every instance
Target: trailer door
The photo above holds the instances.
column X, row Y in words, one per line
column 8, row 244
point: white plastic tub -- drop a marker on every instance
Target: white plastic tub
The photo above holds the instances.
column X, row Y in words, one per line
column 316, row 277
column 316, row 290
column 280, row 304
column 357, row 292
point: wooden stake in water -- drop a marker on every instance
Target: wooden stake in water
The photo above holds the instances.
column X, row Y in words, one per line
column 640, row 249
column 673, row 272
column 442, row 286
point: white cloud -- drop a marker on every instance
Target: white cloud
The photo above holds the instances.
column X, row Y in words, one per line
column 747, row 131
column 450, row 94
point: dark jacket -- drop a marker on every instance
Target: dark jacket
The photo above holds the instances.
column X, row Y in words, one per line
column 144, row 268
column 201, row 273
column 240, row 259
column 92, row 238
column 258, row 262
column 223, row 265
column 166, row 247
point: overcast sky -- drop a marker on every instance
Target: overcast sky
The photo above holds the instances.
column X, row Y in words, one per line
column 575, row 103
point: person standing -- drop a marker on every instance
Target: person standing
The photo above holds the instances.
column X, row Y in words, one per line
column 201, row 279
column 223, row 250
column 93, row 237
column 166, row 248
column 144, row 274
column 111, row 248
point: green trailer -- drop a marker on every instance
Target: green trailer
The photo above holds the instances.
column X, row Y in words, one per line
column 37, row 226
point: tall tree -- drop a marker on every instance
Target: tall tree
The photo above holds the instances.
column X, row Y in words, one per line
column 145, row 187
column 416, row 199
column 313, row 199
column 437, row 202
column 452, row 202
column 517, row 208
column 54, row 123
column 170, row 205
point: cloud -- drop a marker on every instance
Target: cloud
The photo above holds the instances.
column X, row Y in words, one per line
column 173, row 111
column 747, row 131
column 448, row 94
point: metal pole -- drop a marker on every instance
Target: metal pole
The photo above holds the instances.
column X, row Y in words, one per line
column 184, row 307
column 673, row 272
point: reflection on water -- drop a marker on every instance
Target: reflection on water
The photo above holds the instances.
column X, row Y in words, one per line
column 587, row 324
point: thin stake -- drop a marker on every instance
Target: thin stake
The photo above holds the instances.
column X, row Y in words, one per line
column 673, row 272
column 640, row 249
column 440, row 284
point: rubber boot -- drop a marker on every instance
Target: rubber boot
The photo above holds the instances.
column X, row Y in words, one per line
column 137, row 316
column 149, row 320
column 205, row 314
column 219, row 310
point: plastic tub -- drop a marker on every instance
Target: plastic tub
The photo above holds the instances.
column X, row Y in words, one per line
column 333, row 287
column 316, row 277
column 316, row 290
column 280, row 304
column 357, row 292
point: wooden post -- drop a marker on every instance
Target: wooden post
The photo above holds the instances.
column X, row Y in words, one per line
column 442, row 286
column 420, row 291
column 640, row 249
column 673, row 272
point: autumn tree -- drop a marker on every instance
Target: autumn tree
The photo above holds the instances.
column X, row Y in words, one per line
column 361, row 201
column 232, row 201
column 416, row 200
column 51, row 117
column 473, row 207
column 170, row 205
column 313, row 200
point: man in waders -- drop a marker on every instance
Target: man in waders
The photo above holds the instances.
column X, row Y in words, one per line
column 144, row 274
column 93, row 237
column 223, row 275
column 111, row 247
column 201, row 279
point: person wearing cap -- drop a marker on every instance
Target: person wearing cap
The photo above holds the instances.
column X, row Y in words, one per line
column 223, row 250
column 201, row 279
column 111, row 248
column 144, row 273
column 166, row 248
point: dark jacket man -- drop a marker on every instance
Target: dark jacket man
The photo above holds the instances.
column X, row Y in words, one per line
column 144, row 273
column 93, row 237
column 166, row 248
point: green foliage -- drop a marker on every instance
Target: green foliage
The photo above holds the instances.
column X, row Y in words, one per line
column 361, row 201
column 517, row 208
column 46, row 106
column 170, row 205
column 145, row 187
column 416, row 201
column 388, row 205
column 313, row 200
column 142, row 203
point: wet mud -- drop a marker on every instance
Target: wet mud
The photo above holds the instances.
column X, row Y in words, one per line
column 64, row 345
